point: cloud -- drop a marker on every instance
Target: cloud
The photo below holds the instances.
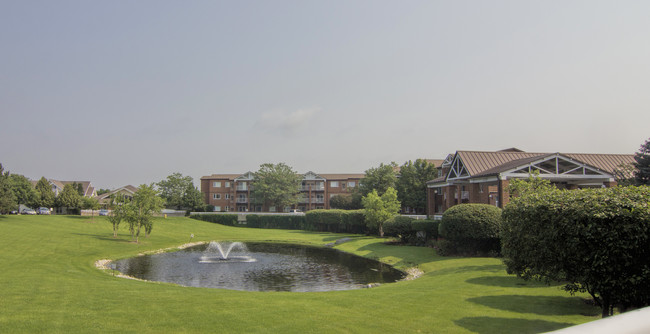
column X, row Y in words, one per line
column 287, row 123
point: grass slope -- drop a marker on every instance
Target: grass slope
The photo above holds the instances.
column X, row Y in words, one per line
column 48, row 283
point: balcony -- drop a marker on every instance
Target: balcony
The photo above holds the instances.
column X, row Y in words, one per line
column 242, row 200
column 313, row 188
column 242, row 187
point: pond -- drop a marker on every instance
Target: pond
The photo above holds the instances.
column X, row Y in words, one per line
column 260, row 267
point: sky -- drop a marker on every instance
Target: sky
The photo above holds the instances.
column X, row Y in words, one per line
column 129, row 92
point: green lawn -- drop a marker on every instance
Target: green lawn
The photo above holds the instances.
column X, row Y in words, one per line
column 48, row 283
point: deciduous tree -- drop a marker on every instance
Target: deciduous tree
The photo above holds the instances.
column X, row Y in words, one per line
column 378, row 209
column 140, row 211
column 412, row 183
column 179, row 192
column 7, row 199
column 24, row 192
column 380, row 179
column 276, row 185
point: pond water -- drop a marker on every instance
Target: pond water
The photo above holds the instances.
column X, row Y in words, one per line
column 260, row 267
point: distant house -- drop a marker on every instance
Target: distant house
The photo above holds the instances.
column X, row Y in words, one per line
column 57, row 187
column 126, row 191
column 483, row 177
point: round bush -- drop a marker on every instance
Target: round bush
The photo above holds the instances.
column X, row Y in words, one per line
column 472, row 228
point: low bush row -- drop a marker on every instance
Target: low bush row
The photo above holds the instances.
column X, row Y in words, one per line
column 411, row 231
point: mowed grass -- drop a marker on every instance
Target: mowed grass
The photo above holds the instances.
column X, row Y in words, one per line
column 48, row 283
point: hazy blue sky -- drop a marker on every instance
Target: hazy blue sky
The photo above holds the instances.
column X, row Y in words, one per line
column 128, row 92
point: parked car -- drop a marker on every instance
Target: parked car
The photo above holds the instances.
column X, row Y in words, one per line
column 43, row 211
column 103, row 212
column 295, row 211
column 28, row 211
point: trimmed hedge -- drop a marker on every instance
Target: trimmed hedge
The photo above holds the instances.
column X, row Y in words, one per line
column 286, row 222
column 471, row 229
column 336, row 220
column 223, row 219
column 597, row 240
column 407, row 230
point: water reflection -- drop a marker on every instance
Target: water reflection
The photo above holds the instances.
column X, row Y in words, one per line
column 277, row 267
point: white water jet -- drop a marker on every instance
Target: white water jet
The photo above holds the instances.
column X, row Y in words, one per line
column 220, row 252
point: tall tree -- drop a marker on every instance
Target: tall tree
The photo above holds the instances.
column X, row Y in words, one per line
column 642, row 164
column 45, row 193
column 276, row 185
column 174, row 190
column 69, row 197
column 24, row 192
column 412, row 183
column 378, row 209
column 193, row 198
column 7, row 199
column 141, row 209
column 380, row 179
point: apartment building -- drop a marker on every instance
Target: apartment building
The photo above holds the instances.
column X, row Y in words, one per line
column 232, row 192
column 483, row 177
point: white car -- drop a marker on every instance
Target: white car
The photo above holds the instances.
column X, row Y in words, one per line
column 43, row 211
column 28, row 211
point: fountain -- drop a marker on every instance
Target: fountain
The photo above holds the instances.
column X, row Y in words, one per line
column 218, row 252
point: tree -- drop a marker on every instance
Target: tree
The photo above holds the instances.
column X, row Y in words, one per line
column 378, row 209
column 7, row 199
column 193, row 198
column 346, row 202
column 379, row 179
column 140, row 211
column 90, row 203
column 118, row 212
column 642, row 164
column 412, row 183
column 69, row 197
column 45, row 193
column 179, row 192
column 103, row 191
column 276, row 185
column 24, row 192
column 594, row 240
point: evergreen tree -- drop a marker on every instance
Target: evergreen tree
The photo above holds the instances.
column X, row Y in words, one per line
column 45, row 193
column 642, row 164
column 68, row 198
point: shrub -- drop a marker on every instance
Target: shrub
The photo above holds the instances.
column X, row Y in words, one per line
column 597, row 240
column 339, row 221
column 287, row 222
column 223, row 219
column 411, row 231
column 472, row 228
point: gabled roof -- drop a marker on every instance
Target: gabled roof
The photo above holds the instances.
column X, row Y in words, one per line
column 471, row 164
column 128, row 189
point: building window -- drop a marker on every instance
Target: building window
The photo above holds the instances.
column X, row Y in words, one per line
column 271, row 209
column 227, row 208
column 216, row 196
column 480, row 188
column 334, row 184
column 217, row 208
column 216, row 184
column 227, row 185
column 227, row 196
column 352, row 184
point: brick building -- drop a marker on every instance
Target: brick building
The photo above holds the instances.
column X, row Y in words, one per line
column 483, row 177
column 232, row 192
